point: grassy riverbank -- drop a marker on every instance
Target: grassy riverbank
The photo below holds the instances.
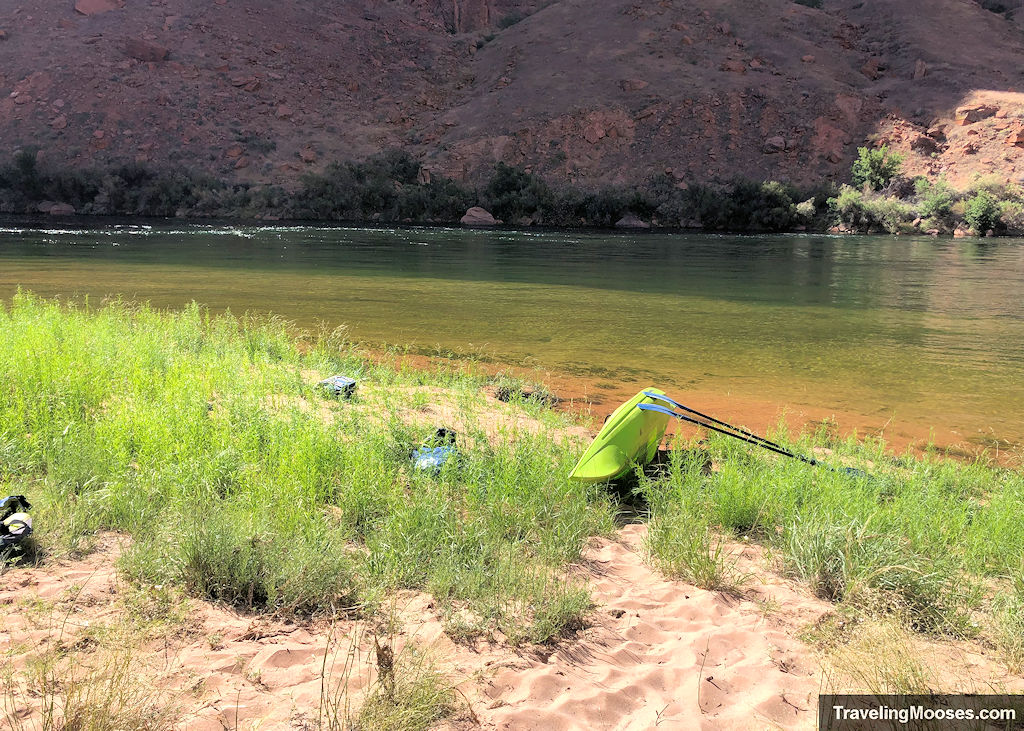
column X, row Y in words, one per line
column 205, row 439
column 935, row 545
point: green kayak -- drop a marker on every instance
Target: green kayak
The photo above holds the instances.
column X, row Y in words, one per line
column 629, row 437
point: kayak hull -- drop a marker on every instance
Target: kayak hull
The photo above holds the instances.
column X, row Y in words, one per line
column 629, row 437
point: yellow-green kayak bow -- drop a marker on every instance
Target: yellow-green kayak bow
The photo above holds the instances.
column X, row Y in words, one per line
column 628, row 438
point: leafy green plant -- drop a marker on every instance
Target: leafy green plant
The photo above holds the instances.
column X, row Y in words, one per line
column 512, row 193
column 866, row 212
column 875, row 167
column 982, row 212
column 935, row 200
column 1011, row 214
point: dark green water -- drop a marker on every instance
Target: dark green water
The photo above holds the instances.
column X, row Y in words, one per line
column 919, row 334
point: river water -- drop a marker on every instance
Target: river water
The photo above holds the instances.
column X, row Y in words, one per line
column 915, row 337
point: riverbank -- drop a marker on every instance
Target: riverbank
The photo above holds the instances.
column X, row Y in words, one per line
column 287, row 537
column 393, row 187
column 591, row 399
column 865, row 331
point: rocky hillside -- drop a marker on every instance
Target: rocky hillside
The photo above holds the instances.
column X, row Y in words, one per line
column 610, row 91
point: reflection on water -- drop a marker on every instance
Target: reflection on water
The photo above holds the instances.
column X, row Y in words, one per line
column 921, row 331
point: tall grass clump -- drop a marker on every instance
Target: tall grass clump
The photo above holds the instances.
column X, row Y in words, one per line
column 406, row 691
column 106, row 689
column 205, row 438
column 1008, row 628
column 929, row 541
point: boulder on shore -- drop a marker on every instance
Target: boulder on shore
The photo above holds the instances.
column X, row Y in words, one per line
column 61, row 209
column 477, row 216
column 631, row 221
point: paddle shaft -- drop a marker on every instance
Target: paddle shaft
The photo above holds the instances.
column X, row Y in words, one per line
column 766, row 442
column 743, row 435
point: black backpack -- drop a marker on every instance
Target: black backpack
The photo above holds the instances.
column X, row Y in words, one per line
column 13, row 527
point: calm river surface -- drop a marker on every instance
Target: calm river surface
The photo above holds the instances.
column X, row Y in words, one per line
column 919, row 336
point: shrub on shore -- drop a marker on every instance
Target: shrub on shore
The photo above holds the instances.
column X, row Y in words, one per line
column 981, row 212
column 393, row 187
column 875, row 168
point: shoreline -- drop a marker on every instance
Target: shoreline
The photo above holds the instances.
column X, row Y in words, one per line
column 392, row 186
column 102, row 220
column 590, row 399
column 309, row 535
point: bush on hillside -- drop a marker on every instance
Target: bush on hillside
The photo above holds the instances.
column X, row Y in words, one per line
column 1011, row 215
column 512, row 194
column 982, row 212
column 875, row 168
column 865, row 212
column 935, row 200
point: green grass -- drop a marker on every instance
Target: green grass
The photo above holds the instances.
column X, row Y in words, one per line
column 935, row 542
column 204, row 438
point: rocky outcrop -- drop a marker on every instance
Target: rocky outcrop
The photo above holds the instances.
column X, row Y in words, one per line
column 471, row 15
column 593, row 94
column 144, row 50
column 872, row 68
column 976, row 113
column 95, row 7
column 477, row 216
column 924, row 143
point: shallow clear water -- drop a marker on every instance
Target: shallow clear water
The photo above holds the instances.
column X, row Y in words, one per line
column 921, row 334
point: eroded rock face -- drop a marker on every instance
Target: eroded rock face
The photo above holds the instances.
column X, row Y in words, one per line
column 975, row 113
column 378, row 75
column 924, row 143
column 144, row 50
column 477, row 216
column 471, row 15
column 95, row 7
